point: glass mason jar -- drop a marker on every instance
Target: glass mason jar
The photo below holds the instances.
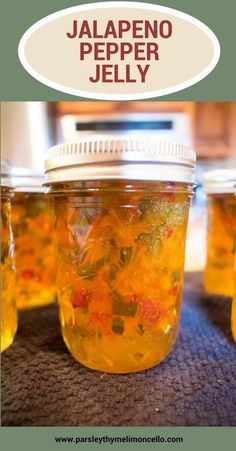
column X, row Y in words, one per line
column 33, row 235
column 233, row 312
column 221, row 231
column 121, row 211
column 8, row 300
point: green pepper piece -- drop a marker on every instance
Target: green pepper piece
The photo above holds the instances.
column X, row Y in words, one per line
column 20, row 229
column 84, row 331
column 88, row 271
column 34, row 209
column 118, row 326
column 152, row 241
column 4, row 219
column 145, row 205
column 138, row 355
column 112, row 243
column 111, row 274
column 166, row 211
column 47, row 240
column 233, row 249
column 145, row 237
column 122, row 308
column 176, row 276
column 4, row 251
column 141, row 329
column 218, row 265
column 126, row 254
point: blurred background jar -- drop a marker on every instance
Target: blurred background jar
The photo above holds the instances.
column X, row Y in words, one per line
column 33, row 236
column 8, row 284
column 121, row 210
column 221, row 231
column 233, row 313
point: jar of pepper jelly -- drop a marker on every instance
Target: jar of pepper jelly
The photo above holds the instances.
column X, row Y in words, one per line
column 233, row 312
column 221, row 232
column 121, row 211
column 33, row 236
column 8, row 299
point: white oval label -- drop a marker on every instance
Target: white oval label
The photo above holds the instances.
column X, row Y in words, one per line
column 119, row 50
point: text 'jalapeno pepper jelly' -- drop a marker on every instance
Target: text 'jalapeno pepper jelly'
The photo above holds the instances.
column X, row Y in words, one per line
column 121, row 211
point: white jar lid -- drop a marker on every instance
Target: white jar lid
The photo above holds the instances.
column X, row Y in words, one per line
column 220, row 181
column 5, row 172
column 120, row 158
column 27, row 181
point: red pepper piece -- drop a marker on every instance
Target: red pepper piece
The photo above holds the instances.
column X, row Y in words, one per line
column 81, row 298
column 167, row 232
column 28, row 274
column 150, row 311
column 175, row 291
column 223, row 251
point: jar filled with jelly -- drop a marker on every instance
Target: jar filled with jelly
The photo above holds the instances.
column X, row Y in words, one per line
column 221, row 231
column 33, row 236
column 233, row 312
column 121, row 212
column 8, row 283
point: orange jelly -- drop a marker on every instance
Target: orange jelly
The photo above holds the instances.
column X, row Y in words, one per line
column 221, row 234
column 33, row 235
column 233, row 314
column 120, row 255
column 8, row 300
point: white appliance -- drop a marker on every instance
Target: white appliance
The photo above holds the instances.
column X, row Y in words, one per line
column 25, row 134
column 174, row 127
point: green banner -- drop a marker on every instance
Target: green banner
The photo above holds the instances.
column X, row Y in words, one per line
column 17, row 17
column 118, row 439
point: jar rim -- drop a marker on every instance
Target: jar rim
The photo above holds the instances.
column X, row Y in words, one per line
column 120, row 158
column 220, row 181
column 6, row 169
column 27, row 180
